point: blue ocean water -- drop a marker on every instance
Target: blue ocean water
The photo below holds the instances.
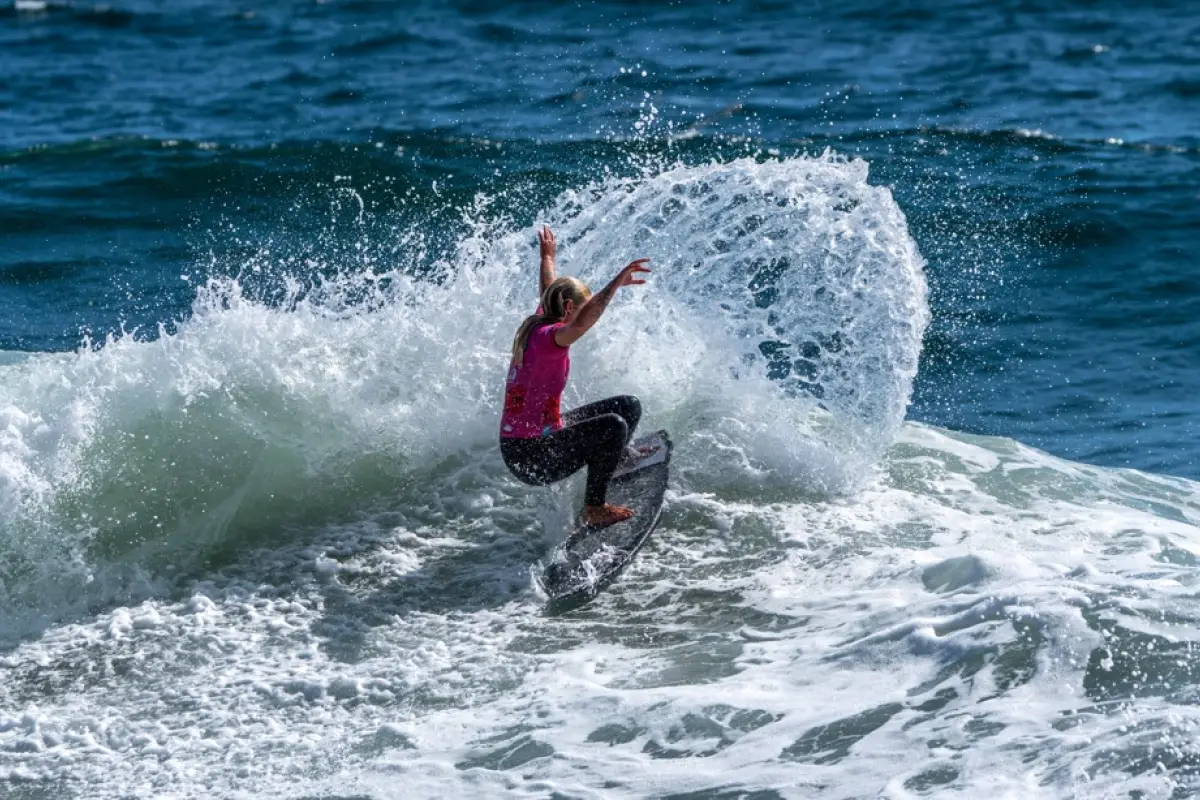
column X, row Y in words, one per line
column 257, row 267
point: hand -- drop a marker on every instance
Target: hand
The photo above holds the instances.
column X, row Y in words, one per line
column 546, row 243
column 629, row 275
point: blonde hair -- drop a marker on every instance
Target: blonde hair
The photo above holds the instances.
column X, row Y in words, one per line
column 554, row 309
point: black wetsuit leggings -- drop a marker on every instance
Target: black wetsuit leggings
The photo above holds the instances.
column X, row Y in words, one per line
column 594, row 435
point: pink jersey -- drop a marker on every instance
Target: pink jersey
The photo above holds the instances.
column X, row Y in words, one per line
column 534, row 389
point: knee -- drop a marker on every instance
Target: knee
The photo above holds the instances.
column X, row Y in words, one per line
column 614, row 429
column 633, row 409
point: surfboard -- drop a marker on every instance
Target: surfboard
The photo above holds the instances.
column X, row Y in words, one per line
column 590, row 558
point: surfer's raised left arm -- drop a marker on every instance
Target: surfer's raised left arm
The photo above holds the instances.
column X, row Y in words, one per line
column 582, row 320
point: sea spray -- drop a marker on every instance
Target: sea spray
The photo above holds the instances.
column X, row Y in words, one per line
column 778, row 338
column 787, row 310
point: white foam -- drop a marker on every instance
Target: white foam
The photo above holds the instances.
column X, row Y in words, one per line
column 944, row 629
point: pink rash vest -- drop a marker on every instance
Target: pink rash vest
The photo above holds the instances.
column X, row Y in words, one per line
column 534, row 390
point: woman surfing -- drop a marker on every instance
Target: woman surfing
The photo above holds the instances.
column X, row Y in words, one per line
column 540, row 445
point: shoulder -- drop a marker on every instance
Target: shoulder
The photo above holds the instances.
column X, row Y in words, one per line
column 545, row 334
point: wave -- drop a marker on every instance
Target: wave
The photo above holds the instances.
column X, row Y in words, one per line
column 194, row 185
column 439, row 143
column 780, row 339
column 111, row 181
column 98, row 15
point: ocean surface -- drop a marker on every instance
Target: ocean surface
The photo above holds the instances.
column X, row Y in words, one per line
column 923, row 323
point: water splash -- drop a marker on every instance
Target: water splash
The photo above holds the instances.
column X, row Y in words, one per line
column 788, row 307
column 778, row 339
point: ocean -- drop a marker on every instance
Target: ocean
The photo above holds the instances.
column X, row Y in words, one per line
column 923, row 324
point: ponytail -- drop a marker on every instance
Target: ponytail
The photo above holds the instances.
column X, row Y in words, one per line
column 553, row 309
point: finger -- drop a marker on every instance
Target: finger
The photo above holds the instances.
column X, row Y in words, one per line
column 635, row 282
column 638, row 261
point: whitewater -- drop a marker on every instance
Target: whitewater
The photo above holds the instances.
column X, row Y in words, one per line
column 273, row 551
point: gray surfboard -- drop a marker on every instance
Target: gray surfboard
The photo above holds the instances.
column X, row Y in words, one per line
column 590, row 559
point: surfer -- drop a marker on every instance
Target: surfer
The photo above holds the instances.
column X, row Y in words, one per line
column 539, row 444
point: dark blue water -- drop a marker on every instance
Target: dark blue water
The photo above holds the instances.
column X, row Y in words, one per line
column 1046, row 154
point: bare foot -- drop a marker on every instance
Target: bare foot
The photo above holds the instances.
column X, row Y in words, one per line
column 605, row 515
column 633, row 455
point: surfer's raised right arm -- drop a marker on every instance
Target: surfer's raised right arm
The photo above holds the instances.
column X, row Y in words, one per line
column 590, row 311
column 548, row 270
